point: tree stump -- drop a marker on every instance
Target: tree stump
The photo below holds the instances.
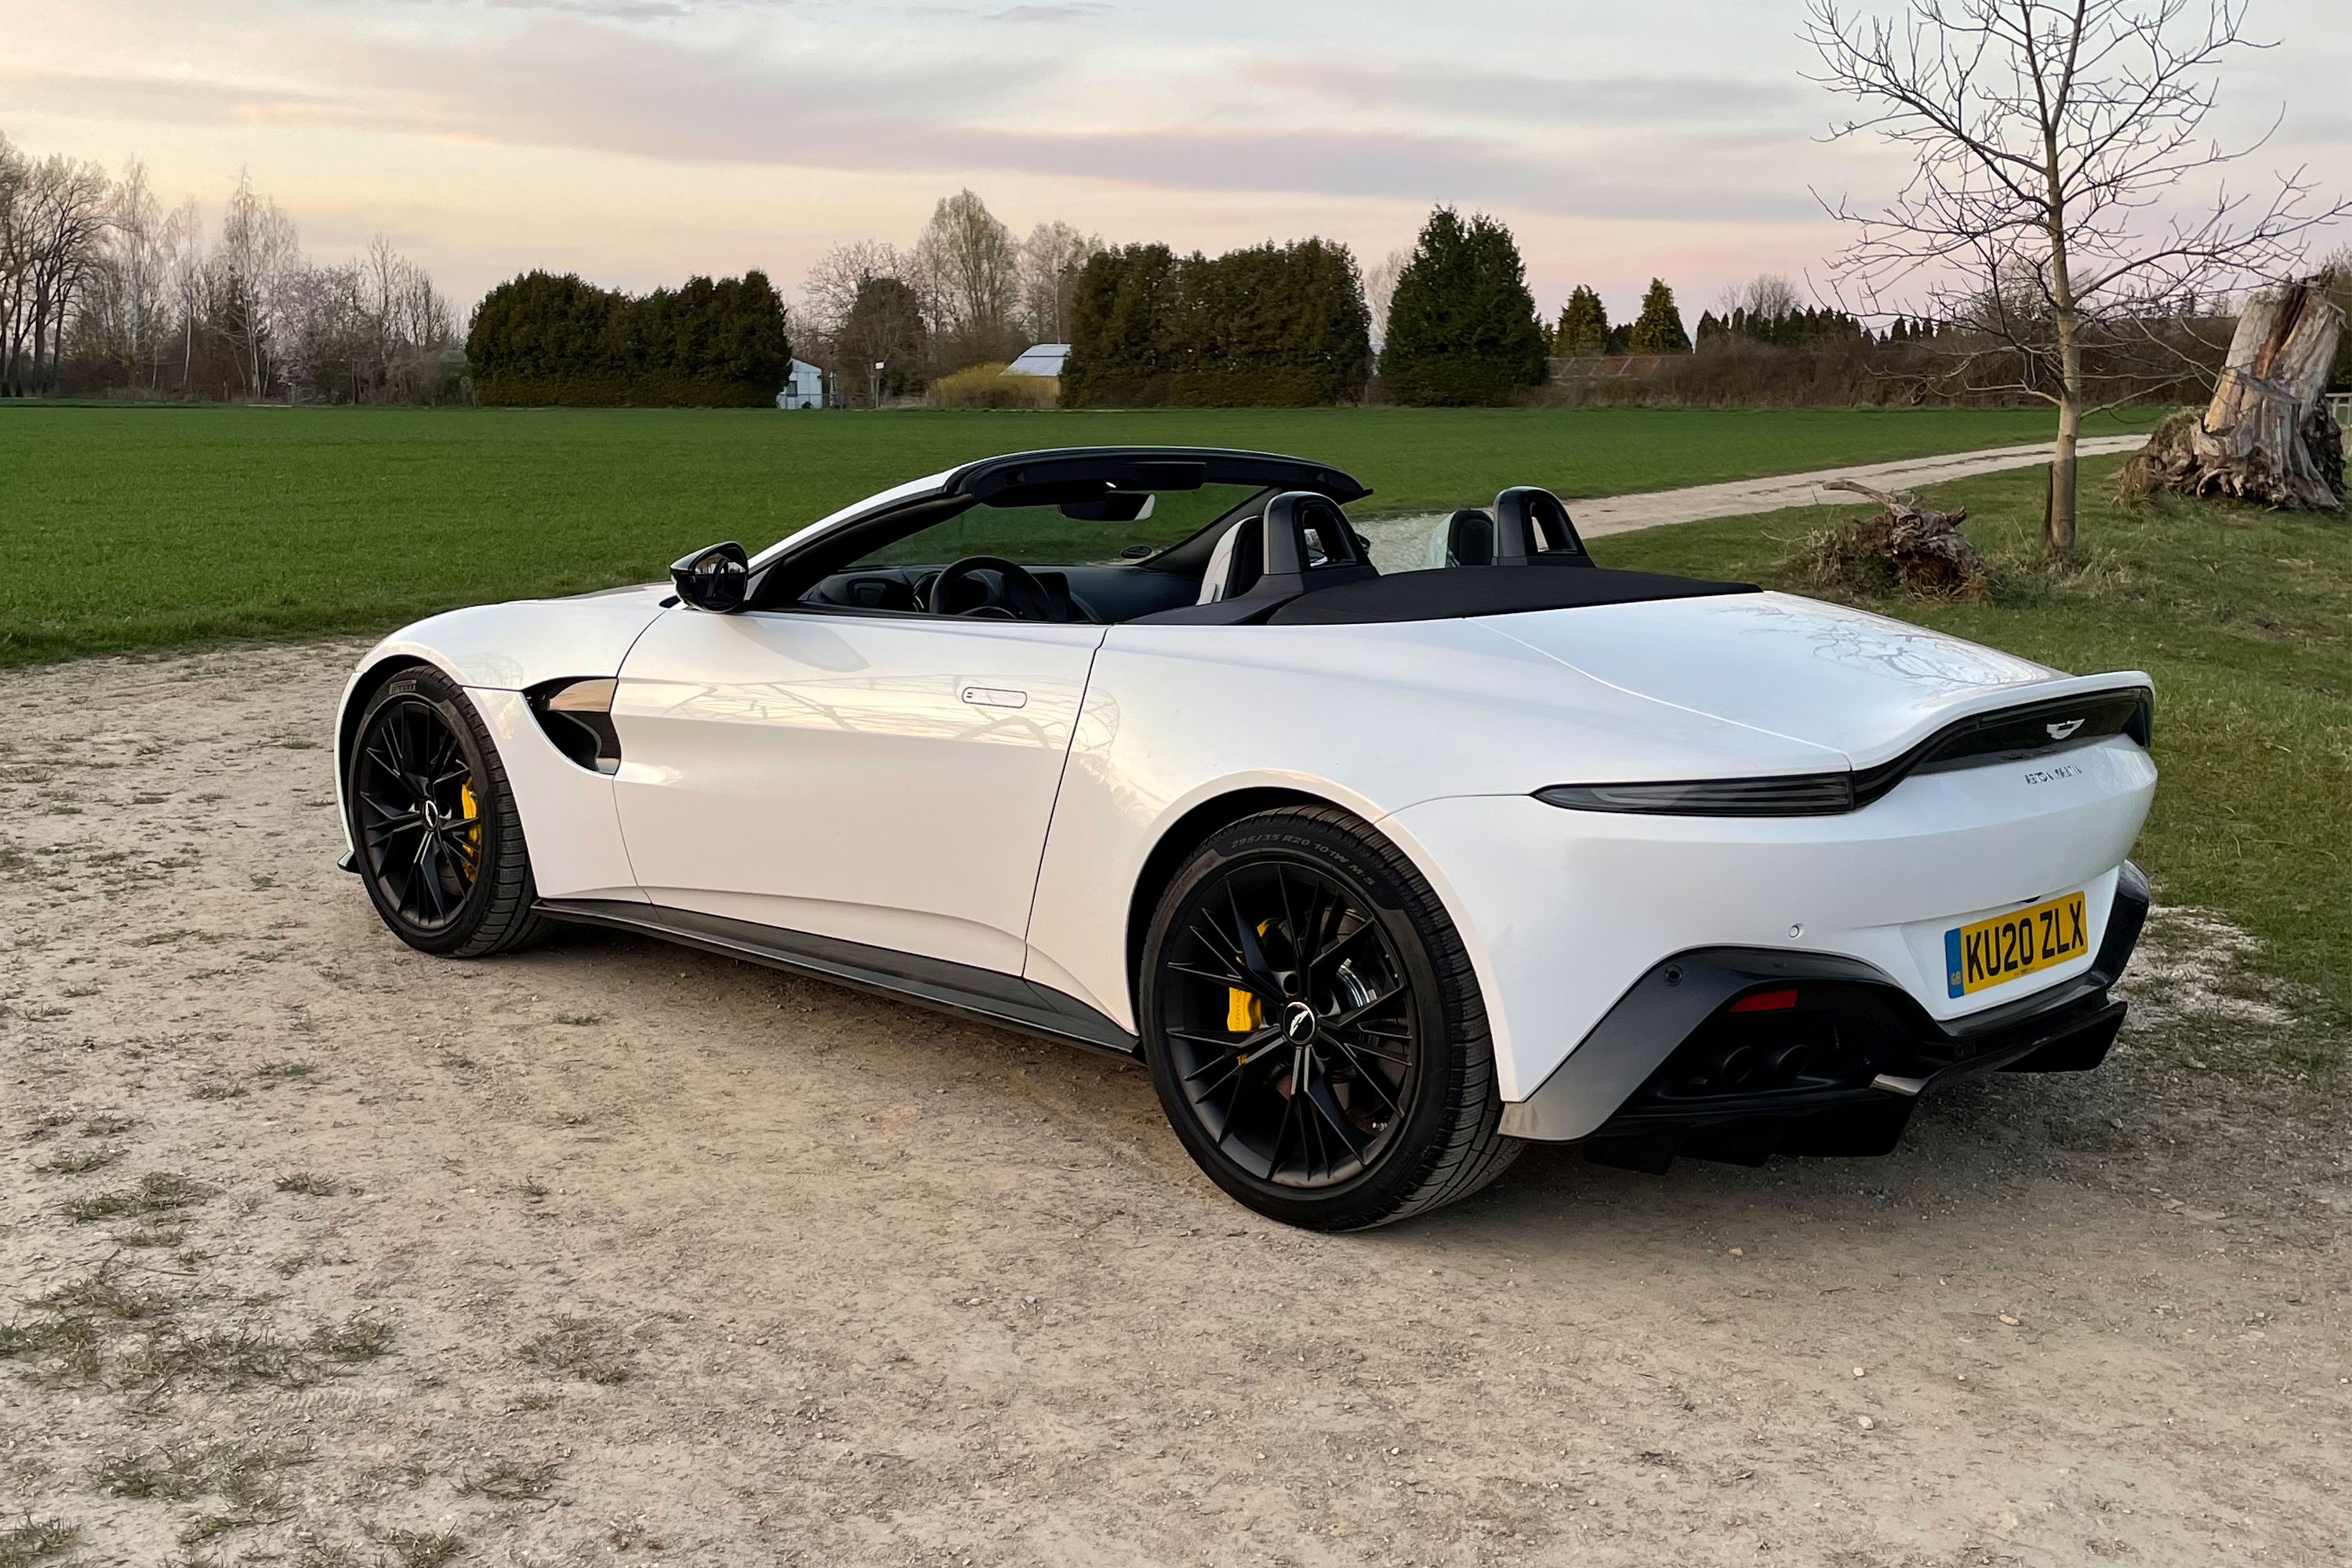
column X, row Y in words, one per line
column 2267, row 436
column 1903, row 547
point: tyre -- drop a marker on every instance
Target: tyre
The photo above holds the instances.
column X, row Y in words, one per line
column 1314, row 1028
column 439, row 841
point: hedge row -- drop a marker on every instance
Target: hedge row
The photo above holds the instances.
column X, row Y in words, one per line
column 543, row 339
column 1271, row 326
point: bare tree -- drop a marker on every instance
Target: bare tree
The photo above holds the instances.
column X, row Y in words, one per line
column 189, row 276
column 1767, row 296
column 2045, row 210
column 56, row 212
column 966, row 268
column 260, row 253
column 1379, row 289
column 126, row 314
column 1050, row 260
column 831, row 289
column 16, row 269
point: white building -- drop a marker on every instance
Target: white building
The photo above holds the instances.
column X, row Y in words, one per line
column 804, row 388
column 1043, row 359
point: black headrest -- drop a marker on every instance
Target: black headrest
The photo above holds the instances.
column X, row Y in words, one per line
column 1532, row 527
column 1307, row 533
column 1469, row 539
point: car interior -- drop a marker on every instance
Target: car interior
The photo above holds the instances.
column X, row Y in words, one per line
column 1155, row 540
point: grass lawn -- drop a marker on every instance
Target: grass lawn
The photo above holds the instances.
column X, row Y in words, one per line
column 128, row 528
column 2244, row 619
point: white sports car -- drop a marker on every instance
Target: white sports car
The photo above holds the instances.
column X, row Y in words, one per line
column 1382, row 874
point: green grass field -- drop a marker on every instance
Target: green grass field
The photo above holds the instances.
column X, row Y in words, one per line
column 2240, row 615
column 130, row 528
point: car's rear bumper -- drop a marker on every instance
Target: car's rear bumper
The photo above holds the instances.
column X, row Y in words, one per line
column 1673, row 1068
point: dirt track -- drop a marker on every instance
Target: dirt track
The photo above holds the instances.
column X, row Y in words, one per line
column 1402, row 543
column 629, row 1255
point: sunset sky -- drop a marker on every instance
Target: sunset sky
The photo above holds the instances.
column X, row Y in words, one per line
column 638, row 141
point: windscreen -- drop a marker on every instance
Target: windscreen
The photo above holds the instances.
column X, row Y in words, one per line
column 1048, row 536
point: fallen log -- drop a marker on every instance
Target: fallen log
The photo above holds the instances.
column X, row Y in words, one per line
column 2267, row 436
column 1904, row 546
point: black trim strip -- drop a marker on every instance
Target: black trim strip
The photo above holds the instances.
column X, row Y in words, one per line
column 1666, row 1006
column 983, row 994
column 2005, row 734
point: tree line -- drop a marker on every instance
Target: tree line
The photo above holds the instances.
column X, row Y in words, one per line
column 103, row 292
column 966, row 293
column 1272, row 325
column 541, row 339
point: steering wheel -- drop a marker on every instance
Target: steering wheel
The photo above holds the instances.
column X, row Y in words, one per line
column 1022, row 597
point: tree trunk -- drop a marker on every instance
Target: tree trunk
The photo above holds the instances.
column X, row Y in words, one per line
column 2260, row 438
column 2066, row 470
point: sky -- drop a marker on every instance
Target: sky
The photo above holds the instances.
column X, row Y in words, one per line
column 637, row 142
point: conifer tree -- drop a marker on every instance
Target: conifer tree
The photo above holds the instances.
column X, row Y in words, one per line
column 1583, row 330
column 1462, row 325
column 1659, row 328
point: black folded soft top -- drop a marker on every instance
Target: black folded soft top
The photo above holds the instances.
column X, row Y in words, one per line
column 1451, row 595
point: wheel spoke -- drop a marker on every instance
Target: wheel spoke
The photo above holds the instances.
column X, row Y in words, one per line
column 1357, row 1048
column 1338, row 945
column 1253, row 951
column 1234, row 975
column 1368, row 1077
column 1345, row 1019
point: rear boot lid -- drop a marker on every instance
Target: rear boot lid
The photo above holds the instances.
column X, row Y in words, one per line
column 1824, row 674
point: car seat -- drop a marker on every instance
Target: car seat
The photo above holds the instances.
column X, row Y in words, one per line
column 1236, row 563
column 1466, row 540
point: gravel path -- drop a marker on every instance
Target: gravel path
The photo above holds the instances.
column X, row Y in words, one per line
column 1402, row 543
column 316, row 1251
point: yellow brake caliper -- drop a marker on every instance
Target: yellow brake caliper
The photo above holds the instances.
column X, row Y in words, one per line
column 1244, row 1010
column 472, row 808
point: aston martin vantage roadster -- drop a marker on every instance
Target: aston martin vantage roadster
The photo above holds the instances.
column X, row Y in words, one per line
column 1382, row 874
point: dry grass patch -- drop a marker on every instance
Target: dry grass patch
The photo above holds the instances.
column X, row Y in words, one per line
column 31, row 1541
column 158, row 1192
column 585, row 1347
column 78, row 1162
column 505, row 1481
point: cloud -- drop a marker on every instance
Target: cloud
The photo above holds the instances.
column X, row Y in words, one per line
column 570, row 74
column 1074, row 11
column 1513, row 96
column 603, row 10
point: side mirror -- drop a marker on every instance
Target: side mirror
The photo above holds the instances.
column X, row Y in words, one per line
column 715, row 579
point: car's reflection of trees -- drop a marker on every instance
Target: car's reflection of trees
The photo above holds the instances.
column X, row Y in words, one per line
column 1860, row 640
column 926, row 707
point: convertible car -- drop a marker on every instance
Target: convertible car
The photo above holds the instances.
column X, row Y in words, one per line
column 1382, row 874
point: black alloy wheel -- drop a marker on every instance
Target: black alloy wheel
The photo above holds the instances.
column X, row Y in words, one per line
column 418, row 814
column 439, row 844
column 1290, row 1020
column 1314, row 1029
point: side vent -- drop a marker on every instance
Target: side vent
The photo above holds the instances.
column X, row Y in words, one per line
column 577, row 716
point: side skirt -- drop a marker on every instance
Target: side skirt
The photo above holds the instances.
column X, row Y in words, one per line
column 1006, row 1000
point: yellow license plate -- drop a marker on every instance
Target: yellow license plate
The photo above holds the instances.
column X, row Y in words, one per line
column 2020, row 943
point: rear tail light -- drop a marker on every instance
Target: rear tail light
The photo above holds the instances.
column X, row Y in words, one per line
column 1767, row 1001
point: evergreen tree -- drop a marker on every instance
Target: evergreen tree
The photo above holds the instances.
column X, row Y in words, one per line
column 1659, row 328
column 1462, row 325
column 541, row 339
column 1270, row 326
column 1583, row 330
column 1122, row 329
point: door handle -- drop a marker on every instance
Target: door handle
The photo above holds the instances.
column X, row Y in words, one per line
column 995, row 697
